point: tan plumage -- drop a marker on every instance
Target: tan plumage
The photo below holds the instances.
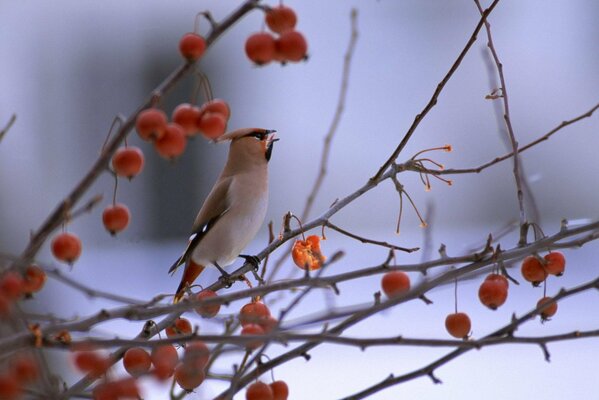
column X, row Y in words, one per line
column 234, row 209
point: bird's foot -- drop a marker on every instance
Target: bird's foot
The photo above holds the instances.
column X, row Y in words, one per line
column 255, row 261
column 225, row 277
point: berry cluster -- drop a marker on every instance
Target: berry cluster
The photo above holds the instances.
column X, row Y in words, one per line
column 21, row 370
column 289, row 46
column 258, row 390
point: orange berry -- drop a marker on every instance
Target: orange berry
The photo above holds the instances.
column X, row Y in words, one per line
column 66, row 247
column 137, row 361
column 9, row 387
column 260, row 48
column 11, row 285
column 196, row 355
column 533, row 271
column 555, row 263
column 128, row 161
column 116, row 218
column 217, row 106
column 34, row 279
column 492, row 293
column 207, row 311
column 253, row 313
column 280, row 19
column 307, row 254
column 181, row 326
column 252, row 329
column 192, row 46
column 550, row 310
column 502, row 279
column 186, row 115
column 188, row 377
column 280, row 390
column 164, row 358
column 458, row 325
column 259, row 391
column 24, row 368
column 91, row 362
column 292, row 46
column 212, row 125
column 172, row 144
column 151, row 123
column 395, row 283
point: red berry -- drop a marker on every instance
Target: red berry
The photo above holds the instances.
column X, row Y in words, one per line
column 500, row 278
column 555, row 263
column 91, row 362
column 11, row 285
column 533, row 271
column 292, row 46
column 188, row 377
column 165, row 359
column 9, row 387
column 207, row 310
column 550, row 310
column 116, row 218
column 268, row 324
column 186, row 115
column 66, row 247
column 252, row 329
column 493, row 293
column 5, row 306
column 253, row 313
column 172, row 144
column 212, row 125
column 181, row 326
column 137, row 361
column 260, row 47
column 217, row 106
column 196, row 355
column 24, row 368
column 280, row 390
column 192, row 46
column 151, row 123
column 458, row 325
column 395, row 283
column 128, row 161
column 259, row 391
column 34, row 279
column 280, row 19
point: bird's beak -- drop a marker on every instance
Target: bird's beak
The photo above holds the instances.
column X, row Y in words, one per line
column 269, row 143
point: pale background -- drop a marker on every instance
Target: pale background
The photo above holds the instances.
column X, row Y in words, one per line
column 68, row 67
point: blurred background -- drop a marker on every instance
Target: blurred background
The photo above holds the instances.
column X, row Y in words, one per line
column 69, row 67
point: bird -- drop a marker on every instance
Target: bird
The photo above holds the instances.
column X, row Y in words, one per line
column 234, row 210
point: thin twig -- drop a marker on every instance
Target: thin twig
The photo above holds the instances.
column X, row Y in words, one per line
column 10, row 123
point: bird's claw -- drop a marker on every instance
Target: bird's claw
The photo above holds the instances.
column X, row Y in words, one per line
column 255, row 261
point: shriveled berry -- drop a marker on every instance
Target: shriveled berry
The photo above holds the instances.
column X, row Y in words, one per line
column 151, row 123
column 307, row 254
column 116, row 218
column 128, row 161
column 192, row 46
column 66, row 247
column 458, row 325
column 395, row 283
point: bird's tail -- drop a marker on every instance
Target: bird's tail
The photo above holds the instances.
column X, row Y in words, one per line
column 192, row 271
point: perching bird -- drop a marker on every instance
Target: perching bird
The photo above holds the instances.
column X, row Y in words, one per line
column 235, row 208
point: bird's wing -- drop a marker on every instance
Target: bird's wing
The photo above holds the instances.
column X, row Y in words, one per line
column 215, row 206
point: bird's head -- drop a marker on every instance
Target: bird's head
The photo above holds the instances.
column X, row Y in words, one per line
column 251, row 144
